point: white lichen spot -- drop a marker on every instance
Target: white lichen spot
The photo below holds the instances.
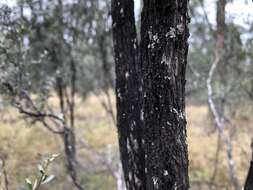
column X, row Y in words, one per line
column 150, row 35
column 146, row 170
column 171, row 33
column 180, row 28
column 130, row 176
column 119, row 94
column 136, row 179
column 121, row 11
column 128, row 145
column 165, row 60
column 136, row 146
column 175, row 111
column 155, row 38
column 155, row 182
column 167, row 78
column 165, row 172
column 152, row 45
column 181, row 115
column 135, row 46
column 140, row 88
column 168, row 123
column 127, row 75
column 175, row 186
column 142, row 115
column 133, row 124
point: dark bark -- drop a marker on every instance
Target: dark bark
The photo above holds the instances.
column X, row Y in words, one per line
column 152, row 127
column 249, row 180
column 70, row 153
column 128, row 97
column 164, row 49
column 68, row 136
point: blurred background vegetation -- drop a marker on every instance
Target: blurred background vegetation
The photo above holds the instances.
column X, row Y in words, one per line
column 56, row 62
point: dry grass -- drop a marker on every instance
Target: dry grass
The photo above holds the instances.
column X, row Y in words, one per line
column 203, row 139
column 23, row 145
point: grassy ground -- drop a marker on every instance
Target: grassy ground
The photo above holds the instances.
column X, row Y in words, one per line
column 23, row 146
column 203, row 142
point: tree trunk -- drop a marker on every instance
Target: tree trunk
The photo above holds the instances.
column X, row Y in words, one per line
column 164, row 49
column 249, row 180
column 150, row 88
column 127, row 90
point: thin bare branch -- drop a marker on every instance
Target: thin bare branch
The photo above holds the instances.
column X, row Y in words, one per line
column 4, row 171
column 219, row 121
column 206, row 16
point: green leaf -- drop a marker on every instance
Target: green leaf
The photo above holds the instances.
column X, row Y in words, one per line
column 49, row 179
column 29, row 183
column 53, row 157
column 41, row 169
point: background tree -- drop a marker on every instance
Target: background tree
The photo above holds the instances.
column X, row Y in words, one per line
column 224, row 79
column 44, row 54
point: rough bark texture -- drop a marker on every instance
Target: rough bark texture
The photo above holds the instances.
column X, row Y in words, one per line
column 127, row 91
column 152, row 127
column 164, row 51
column 249, row 180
